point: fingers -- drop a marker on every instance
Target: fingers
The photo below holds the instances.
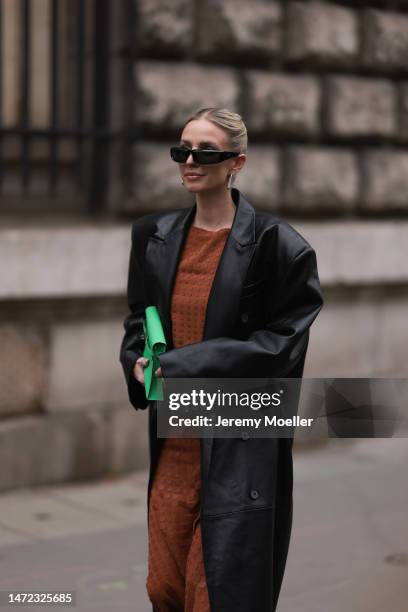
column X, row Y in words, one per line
column 143, row 361
column 138, row 371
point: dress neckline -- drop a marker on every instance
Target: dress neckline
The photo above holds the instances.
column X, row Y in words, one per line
column 201, row 229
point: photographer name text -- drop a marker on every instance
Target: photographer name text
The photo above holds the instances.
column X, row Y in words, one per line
column 255, row 422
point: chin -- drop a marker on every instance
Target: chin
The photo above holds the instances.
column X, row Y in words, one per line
column 203, row 188
column 195, row 188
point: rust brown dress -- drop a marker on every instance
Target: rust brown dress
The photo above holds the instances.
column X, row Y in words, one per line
column 176, row 578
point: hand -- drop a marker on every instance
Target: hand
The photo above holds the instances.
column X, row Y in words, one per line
column 158, row 373
column 138, row 370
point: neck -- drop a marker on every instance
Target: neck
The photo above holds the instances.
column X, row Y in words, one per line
column 215, row 210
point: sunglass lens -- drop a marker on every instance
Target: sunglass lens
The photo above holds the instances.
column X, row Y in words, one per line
column 208, row 157
column 179, row 154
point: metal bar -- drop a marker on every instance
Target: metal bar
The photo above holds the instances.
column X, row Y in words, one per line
column 1, row 94
column 101, row 106
column 80, row 63
column 63, row 132
column 53, row 165
column 26, row 91
column 132, row 26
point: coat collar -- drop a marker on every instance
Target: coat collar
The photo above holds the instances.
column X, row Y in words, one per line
column 163, row 253
column 242, row 230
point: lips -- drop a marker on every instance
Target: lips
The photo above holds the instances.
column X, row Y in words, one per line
column 193, row 174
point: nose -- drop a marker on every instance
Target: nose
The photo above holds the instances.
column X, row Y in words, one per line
column 190, row 161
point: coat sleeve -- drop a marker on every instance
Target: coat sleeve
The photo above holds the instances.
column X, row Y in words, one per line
column 272, row 351
column 133, row 341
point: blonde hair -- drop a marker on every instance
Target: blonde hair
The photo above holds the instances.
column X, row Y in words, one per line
column 230, row 122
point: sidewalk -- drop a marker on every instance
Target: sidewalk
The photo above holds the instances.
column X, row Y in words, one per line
column 87, row 538
column 349, row 547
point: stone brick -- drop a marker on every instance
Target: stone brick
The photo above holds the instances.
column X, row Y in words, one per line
column 392, row 338
column 386, row 180
column 169, row 92
column 379, row 347
column 231, row 28
column 321, row 178
column 84, row 367
column 57, row 260
column 282, row 104
column 359, row 253
column 157, row 181
column 48, row 448
column 259, row 179
column 23, row 358
column 334, row 339
column 385, row 40
column 164, row 26
column 361, row 107
column 323, row 33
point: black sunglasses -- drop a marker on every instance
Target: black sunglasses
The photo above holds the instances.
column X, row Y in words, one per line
column 200, row 156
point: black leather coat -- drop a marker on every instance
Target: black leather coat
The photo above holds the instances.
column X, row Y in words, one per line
column 264, row 297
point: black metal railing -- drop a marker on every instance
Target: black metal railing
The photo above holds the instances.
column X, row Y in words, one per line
column 86, row 121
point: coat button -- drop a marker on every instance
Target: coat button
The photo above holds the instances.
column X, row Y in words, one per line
column 254, row 494
column 244, row 317
column 245, row 435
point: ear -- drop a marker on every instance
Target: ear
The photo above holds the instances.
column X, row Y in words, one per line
column 239, row 162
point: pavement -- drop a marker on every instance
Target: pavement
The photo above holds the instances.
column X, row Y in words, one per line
column 348, row 551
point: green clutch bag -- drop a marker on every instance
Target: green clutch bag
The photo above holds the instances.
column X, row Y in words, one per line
column 155, row 344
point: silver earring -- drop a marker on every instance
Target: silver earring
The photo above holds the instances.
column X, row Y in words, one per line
column 229, row 183
column 182, row 181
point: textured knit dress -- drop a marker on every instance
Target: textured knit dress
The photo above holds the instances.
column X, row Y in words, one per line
column 176, row 578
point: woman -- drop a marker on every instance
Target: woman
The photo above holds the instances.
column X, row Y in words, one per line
column 237, row 291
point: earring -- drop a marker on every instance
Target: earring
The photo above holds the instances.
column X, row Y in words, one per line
column 229, row 183
column 182, row 181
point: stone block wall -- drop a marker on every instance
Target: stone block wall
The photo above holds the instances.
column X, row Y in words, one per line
column 322, row 87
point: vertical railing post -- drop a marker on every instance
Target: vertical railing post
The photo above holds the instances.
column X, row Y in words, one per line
column 26, row 96
column 101, row 106
column 54, row 91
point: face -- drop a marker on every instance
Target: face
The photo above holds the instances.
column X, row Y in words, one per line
column 202, row 134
